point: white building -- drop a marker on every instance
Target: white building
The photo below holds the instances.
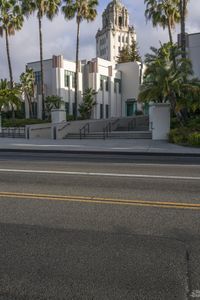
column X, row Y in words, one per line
column 117, row 85
column 193, row 44
column 116, row 33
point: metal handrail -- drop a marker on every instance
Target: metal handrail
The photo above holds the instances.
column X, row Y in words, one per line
column 107, row 129
column 85, row 128
column 131, row 124
column 13, row 132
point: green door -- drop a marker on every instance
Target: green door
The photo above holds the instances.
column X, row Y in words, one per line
column 131, row 108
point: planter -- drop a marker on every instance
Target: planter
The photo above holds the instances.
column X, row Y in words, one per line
column 58, row 116
column 159, row 116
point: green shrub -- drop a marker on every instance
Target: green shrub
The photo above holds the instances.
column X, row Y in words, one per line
column 179, row 135
column 194, row 139
column 21, row 122
column 194, row 124
column 70, row 117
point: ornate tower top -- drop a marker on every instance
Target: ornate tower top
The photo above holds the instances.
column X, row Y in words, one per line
column 116, row 32
column 115, row 15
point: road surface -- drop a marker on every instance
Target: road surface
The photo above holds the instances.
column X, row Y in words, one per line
column 94, row 227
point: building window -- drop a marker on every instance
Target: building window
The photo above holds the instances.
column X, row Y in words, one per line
column 115, row 86
column 120, row 86
column 102, row 80
column 101, row 111
column 119, row 49
column 120, row 21
column 67, row 79
column 38, row 77
column 67, row 75
column 107, row 111
column 74, row 108
column 127, row 39
column 67, row 108
column 101, row 84
column 123, row 39
column 119, row 38
column 107, row 85
column 117, row 82
column 73, row 79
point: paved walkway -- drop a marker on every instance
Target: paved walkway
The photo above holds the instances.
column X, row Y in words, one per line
column 129, row 146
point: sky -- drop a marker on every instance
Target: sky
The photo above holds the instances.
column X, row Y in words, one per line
column 59, row 36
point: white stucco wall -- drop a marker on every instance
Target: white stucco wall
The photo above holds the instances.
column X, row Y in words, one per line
column 130, row 73
column 194, row 52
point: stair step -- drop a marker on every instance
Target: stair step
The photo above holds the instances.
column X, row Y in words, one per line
column 113, row 135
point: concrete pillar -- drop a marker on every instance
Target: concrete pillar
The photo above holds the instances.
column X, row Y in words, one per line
column 39, row 106
column 58, row 116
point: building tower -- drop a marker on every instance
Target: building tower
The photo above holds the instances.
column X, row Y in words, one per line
column 116, row 32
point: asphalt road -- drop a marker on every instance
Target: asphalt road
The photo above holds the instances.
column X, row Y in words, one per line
column 81, row 227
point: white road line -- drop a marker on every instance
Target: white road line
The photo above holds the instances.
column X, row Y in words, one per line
column 98, row 174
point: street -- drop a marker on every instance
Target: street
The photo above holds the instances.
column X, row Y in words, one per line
column 99, row 226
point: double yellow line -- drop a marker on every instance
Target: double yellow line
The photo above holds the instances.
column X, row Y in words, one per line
column 110, row 201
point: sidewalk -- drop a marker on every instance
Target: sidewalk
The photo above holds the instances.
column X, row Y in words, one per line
column 106, row 146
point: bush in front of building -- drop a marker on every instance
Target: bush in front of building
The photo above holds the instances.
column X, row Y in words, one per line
column 194, row 139
column 179, row 136
column 21, row 122
column 189, row 134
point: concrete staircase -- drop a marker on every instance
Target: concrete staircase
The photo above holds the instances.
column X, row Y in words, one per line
column 120, row 128
column 113, row 135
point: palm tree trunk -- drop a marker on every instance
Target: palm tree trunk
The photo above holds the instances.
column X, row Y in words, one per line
column 171, row 42
column 77, row 68
column 10, row 69
column 9, row 60
column 41, row 63
column 183, row 5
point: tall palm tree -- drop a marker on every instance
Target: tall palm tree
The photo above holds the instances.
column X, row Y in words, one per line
column 164, row 13
column 81, row 10
column 9, row 98
column 48, row 8
column 27, row 80
column 183, row 12
column 11, row 20
column 164, row 83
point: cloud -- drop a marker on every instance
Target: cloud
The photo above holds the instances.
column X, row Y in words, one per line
column 59, row 36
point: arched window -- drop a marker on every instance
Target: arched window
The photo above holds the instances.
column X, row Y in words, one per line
column 120, row 21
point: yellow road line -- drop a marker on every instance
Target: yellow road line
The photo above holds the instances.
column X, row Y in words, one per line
column 174, row 205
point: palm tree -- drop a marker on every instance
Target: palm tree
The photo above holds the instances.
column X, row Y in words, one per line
column 53, row 102
column 27, row 80
column 164, row 83
column 82, row 10
column 11, row 20
column 164, row 13
column 9, row 98
column 183, row 12
column 43, row 8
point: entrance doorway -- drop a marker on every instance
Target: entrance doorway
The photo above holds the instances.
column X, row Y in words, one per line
column 131, row 107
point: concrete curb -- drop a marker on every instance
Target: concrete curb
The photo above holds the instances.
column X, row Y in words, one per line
column 97, row 152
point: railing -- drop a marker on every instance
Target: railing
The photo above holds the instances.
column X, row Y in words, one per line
column 107, row 129
column 131, row 124
column 13, row 132
column 85, row 129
